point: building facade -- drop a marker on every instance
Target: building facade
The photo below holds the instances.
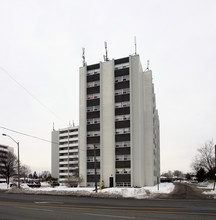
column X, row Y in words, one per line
column 119, row 124
column 3, row 156
column 64, row 161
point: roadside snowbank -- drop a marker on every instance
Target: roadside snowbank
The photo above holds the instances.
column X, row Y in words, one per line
column 138, row 193
column 207, row 188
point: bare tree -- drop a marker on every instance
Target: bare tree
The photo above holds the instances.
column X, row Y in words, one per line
column 168, row 174
column 9, row 165
column 178, row 173
column 74, row 180
column 24, row 171
column 45, row 175
column 205, row 158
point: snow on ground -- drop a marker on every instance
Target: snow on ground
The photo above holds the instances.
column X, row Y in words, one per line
column 208, row 188
column 116, row 192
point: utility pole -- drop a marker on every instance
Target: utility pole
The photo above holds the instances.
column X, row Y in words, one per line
column 215, row 169
column 18, row 166
column 95, row 168
column 18, row 158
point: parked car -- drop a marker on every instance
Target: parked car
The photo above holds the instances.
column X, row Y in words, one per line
column 54, row 183
column 13, row 185
column 34, row 184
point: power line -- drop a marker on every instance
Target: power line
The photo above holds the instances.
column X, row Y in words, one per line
column 30, row 94
column 32, row 136
column 28, row 135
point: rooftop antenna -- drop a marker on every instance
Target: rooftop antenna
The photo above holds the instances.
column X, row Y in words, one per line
column 83, row 56
column 106, row 56
column 147, row 69
column 53, row 126
column 135, row 45
column 147, row 64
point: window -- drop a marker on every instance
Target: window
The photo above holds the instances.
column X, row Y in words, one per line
column 122, row 117
column 122, row 144
column 90, row 171
column 93, row 96
column 93, row 84
column 93, row 133
column 91, row 146
column 123, row 184
column 122, row 66
column 123, row 170
column 123, row 157
column 90, row 96
column 122, row 91
column 93, row 72
column 91, row 159
column 90, row 184
column 122, row 104
column 93, row 108
column 93, row 121
column 122, row 130
column 121, row 78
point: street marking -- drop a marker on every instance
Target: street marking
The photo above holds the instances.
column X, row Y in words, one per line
column 112, row 216
column 126, row 208
column 120, row 209
column 48, row 202
column 46, row 210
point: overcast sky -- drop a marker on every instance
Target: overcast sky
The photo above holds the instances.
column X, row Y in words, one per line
column 41, row 51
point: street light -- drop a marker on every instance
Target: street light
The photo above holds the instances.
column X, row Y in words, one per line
column 18, row 158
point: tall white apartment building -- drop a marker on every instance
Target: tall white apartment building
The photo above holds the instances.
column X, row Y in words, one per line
column 64, row 161
column 119, row 124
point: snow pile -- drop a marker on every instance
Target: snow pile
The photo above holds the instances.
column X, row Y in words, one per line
column 3, row 186
column 207, row 188
column 115, row 192
column 140, row 193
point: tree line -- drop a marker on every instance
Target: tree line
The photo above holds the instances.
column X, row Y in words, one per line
column 9, row 169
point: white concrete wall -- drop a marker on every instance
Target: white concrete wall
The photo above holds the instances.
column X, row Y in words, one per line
column 148, row 129
column 55, row 154
column 82, row 127
column 158, row 144
column 107, row 119
column 137, row 122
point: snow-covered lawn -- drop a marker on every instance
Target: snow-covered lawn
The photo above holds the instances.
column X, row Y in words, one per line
column 208, row 188
column 138, row 193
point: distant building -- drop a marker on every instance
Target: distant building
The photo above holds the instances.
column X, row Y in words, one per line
column 119, row 123
column 64, row 161
column 3, row 152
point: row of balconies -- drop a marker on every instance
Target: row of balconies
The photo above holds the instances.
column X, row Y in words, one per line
column 70, row 150
column 117, row 131
column 70, row 136
column 117, row 67
column 70, row 132
column 117, row 92
column 65, row 144
column 70, row 162
column 93, row 72
column 70, row 156
column 66, row 168
column 71, row 140
column 117, row 118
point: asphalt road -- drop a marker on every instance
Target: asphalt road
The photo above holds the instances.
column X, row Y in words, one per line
column 185, row 191
column 39, row 207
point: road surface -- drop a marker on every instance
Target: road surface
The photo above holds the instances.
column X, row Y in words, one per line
column 41, row 207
